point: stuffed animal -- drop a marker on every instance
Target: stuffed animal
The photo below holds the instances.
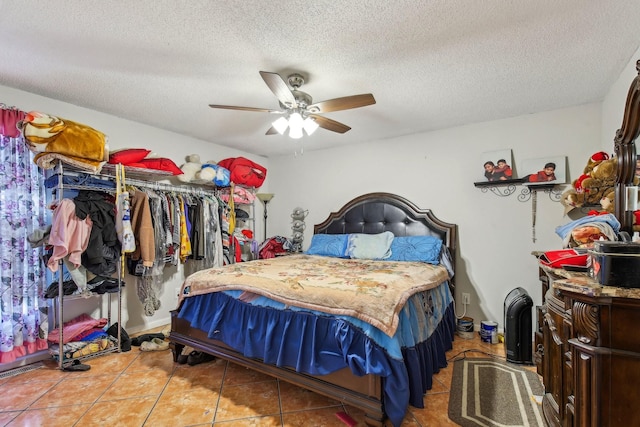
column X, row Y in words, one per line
column 595, row 159
column 190, row 169
column 607, row 201
column 600, row 181
column 577, row 184
column 572, row 199
column 604, row 172
column 207, row 171
column 211, row 172
column 596, row 181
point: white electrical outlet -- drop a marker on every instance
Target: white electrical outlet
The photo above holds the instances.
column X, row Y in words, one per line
column 466, row 298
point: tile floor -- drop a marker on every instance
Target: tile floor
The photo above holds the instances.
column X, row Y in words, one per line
column 148, row 389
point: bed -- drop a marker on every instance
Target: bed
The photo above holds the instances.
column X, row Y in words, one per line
column 335, row 351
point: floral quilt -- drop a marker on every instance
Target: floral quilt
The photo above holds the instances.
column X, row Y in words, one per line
column 371, row 290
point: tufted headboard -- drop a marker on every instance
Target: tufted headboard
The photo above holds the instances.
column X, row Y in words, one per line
column 377, row 212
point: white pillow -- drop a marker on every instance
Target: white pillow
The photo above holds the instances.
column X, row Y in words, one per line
column 369, row 246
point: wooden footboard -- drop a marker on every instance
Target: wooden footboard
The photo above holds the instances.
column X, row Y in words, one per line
column 363, row 392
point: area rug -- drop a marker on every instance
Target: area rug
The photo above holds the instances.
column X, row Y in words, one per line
column 491, row 392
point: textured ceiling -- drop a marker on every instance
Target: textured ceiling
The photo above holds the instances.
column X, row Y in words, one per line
column 429, row 64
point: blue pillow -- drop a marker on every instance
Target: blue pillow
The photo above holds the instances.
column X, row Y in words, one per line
column 370, row 246
column 416, row 248
column 334, row 245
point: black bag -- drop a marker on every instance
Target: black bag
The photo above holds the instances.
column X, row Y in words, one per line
column 125, row 340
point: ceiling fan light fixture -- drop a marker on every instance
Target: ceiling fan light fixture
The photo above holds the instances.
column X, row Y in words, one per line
column 280, row 125
column 310, row 125
column 296, row 123
column 295, row 132
column 295, row 120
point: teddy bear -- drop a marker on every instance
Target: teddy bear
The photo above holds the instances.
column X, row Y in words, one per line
column 597, row 179
column 608, row 206
column 607, row 201
column 595, row 159
column 593, row 162
column 571, row 199
column 190, row 168
column 600, row 181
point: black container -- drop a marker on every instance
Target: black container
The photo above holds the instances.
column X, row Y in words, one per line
column 518, row 337
column 615, row 263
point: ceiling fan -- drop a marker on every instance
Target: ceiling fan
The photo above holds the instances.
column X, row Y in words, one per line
column 298, row 109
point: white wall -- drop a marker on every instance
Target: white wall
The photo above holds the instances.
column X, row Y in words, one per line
column 437, row 170
column 127, row 134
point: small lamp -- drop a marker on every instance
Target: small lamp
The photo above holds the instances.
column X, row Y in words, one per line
column 265, row 198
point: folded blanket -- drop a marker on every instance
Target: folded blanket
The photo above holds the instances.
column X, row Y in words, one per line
column 75, row 327
column 49, row 160
column 52, row 138
column 608, row 225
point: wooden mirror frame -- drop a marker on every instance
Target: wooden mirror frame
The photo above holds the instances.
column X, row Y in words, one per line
column 625, row 151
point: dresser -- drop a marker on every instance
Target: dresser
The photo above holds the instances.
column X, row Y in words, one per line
column 588, row 351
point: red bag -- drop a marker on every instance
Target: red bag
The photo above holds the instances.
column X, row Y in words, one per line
column 244, row 171
column 564, row 257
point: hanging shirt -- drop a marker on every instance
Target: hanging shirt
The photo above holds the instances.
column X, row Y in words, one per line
column 69, row 235
column 142, row 228
column 185, row 243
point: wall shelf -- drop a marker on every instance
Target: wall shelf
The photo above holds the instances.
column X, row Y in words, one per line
column 509, row 187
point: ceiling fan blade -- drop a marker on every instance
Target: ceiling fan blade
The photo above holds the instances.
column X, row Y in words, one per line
column 233, row 107
column 329, row 124
column 345, row 103
column 279, row 89
column 272, row 131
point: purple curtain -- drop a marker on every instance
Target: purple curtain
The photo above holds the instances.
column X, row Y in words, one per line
column 23, row 310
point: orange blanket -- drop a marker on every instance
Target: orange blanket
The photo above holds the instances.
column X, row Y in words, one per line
column 53, row 138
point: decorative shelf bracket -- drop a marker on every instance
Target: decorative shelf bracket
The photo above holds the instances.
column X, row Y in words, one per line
column 502, row 191
column 554, row 193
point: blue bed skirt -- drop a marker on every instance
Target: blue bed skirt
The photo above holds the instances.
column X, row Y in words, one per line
column 319, row 345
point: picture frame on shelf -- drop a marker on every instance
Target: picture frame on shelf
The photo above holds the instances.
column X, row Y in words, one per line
column 497, row 167
column 544, row 170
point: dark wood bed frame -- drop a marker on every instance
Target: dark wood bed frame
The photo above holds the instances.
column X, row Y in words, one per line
column 370, row 213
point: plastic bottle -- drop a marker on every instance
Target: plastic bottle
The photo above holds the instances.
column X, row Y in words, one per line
column 636, row 237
